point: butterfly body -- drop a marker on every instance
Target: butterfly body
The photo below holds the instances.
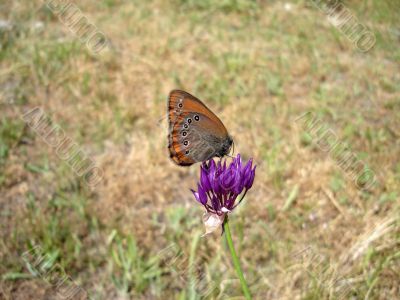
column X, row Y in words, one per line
column 196, row 134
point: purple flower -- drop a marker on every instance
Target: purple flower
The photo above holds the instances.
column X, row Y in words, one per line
column 220, row 185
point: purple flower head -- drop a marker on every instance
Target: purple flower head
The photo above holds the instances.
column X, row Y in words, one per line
column 220, row 185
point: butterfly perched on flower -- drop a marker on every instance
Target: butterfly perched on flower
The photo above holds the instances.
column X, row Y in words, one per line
column 196, row 134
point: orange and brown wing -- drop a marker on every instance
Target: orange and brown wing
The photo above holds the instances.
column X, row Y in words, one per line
column 175, row 145
column 193, row 146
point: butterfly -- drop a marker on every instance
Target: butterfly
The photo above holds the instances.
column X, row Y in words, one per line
column 196, row 134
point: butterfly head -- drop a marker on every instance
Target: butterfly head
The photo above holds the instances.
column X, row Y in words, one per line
column 226, row 147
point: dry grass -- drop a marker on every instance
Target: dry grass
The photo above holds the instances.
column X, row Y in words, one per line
column 259, row 65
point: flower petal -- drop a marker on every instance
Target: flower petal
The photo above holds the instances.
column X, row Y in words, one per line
column 204, row 180
column 250, row 179
column 196, row 195
column 202, row 195
column 247, row 168
column 215, row 203
column 239, row 162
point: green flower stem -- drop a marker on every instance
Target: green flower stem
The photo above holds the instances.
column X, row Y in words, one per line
column 235, row 259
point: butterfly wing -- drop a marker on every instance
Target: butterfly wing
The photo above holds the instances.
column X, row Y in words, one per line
column 195, row 133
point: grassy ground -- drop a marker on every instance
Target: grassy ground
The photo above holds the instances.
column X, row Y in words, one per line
column 305, row 231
